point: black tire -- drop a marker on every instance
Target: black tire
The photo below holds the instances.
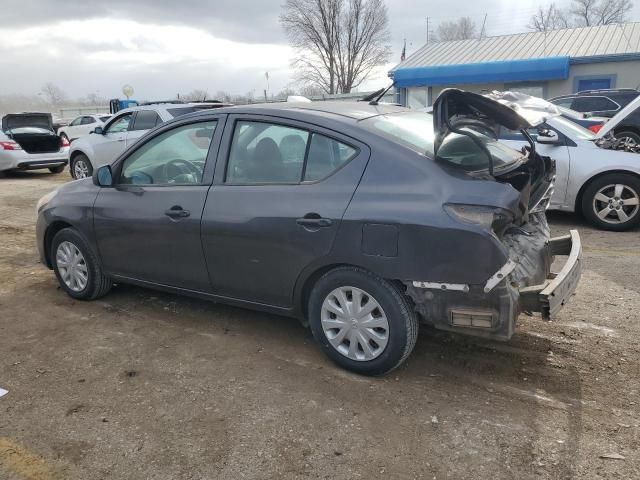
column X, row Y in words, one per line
column 80, row 157
column 630, row 135
column 97, row 284
column 590, row 205
column 58, row 169
column 400, row 315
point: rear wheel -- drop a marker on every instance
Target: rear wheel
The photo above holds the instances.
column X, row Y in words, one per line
column 58, row 169
column 612, row 202
column 76, row 266
column 362, row 322
column 81, row 166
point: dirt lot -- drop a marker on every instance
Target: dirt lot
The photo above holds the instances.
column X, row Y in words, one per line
column 143, row 385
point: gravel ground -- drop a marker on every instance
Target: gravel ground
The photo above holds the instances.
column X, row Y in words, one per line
column 144, row 385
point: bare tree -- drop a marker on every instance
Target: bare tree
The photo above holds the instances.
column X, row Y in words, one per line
column 223, row 96
column 582, row 13
column 461, row 29
column 197, row 95
column 549, row 18
column 338, row 42
column 613, row 11
column 53, row 94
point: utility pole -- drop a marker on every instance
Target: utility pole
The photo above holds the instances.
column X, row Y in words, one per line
column 427, row 29
column 484, row 22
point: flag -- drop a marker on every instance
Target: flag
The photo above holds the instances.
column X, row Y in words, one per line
column 403, row 55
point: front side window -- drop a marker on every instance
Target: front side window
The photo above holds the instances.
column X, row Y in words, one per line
column 120, row 124
column 176, row 157
column 76, row 122
column 87, row 120
column 269, row 153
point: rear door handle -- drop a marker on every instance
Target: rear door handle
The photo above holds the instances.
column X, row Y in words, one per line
column 177, row 212
column 314, row 222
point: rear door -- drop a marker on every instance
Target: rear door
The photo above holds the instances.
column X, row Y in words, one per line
column 112, row 142
column 148, row 225
column 276, row 207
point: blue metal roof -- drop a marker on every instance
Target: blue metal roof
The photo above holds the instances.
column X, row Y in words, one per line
column 531, row 69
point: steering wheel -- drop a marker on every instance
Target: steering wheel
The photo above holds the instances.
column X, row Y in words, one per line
column 181, row 168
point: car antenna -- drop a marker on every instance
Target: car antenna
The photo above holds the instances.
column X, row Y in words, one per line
column 377, row 99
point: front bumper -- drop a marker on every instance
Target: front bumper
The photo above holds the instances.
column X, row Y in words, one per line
column 549, row 297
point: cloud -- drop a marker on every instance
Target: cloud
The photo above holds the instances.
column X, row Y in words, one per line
column 248, row 21
column 162, row 59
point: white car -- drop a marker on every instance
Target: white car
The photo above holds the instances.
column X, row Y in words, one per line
column 107, row 142
column 83, row 125
column 602, row 184
column 29, row 142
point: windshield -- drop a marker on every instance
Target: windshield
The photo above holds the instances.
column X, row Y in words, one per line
column 415, row 131
column 571, row 129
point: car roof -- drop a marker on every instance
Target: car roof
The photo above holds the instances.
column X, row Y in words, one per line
column 599, row 93
column 347, row 110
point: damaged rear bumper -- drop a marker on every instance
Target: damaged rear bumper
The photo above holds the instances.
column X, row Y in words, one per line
column 549, row 297
column 491, row 310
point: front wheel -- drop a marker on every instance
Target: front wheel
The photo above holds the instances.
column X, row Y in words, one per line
column 76, row 266
column 362, row 322
column 628, row 138
column 612, row 202
column 81, row 166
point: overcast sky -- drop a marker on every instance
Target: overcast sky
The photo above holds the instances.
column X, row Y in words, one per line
column 162, row 47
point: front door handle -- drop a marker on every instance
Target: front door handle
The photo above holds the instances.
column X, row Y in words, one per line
column 177, row 212
column 314, row 221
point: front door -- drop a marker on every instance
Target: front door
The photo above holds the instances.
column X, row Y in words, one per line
column 277, row 206
column 113, row 140
column 148, row 225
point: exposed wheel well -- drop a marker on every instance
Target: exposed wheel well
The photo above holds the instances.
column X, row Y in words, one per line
column 578, row 206
column 54, row 228
column 76, row 153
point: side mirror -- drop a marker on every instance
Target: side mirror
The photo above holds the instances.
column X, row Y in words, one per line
column 547, row 137
column 98, row 131
column 103, row 177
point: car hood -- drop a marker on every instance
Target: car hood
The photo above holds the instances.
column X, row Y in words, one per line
column 619, row 117
column 512, row 110
column 29, row 119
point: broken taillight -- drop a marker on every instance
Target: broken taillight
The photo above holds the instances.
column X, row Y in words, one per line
column 10, row 146
column 596, row 128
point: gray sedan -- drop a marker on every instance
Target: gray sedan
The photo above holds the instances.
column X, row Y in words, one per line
column 359, row 219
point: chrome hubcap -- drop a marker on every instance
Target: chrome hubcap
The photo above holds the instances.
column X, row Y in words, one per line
column 354, row 323
column 80, row 169
column 616, row 203
column 72, row 266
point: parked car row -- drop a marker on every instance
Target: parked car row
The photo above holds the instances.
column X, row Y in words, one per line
column 361, row 219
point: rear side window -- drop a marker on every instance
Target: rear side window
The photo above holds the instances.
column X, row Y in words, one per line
column 87, row 120
column 564, row 102
column 177, row 112
column 146, row 120
column 594, row 104
column 325, row 156
column 270, row 153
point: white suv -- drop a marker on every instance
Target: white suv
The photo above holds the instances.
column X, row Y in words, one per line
column 105, row 143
